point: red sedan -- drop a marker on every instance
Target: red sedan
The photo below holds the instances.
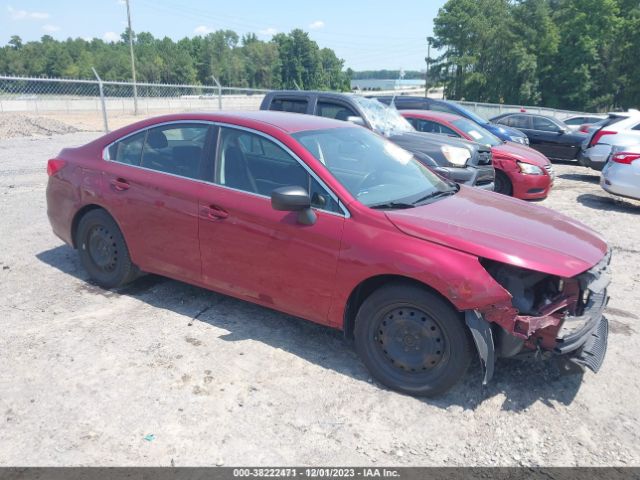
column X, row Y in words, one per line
column 521, row 171
column 333, row 223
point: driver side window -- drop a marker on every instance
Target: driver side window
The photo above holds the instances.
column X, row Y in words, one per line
column 252, row 163
column 335, row 110
column 544, row 125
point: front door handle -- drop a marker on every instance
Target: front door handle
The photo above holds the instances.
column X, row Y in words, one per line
column 216, row 213
column 120, row 184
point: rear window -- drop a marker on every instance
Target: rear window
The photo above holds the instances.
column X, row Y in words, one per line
column 289, row 105
column 128, row 150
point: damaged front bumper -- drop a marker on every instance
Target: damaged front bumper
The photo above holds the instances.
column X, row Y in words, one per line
column 570, row 329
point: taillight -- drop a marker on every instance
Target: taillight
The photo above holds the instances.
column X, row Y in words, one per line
column 54, row 166
column 584, row 128
column 598, row 135
column 625, row 157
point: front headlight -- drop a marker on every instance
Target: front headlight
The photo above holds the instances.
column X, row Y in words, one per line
column 455, row 155
column 529, row 169
column 522, row 140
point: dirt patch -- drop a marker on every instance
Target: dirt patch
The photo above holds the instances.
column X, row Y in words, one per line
column 24, row 125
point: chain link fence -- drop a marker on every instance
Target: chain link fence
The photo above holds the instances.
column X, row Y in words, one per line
column 108, row 104
column 98, row 104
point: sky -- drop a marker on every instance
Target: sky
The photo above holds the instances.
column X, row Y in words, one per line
column 368, row 35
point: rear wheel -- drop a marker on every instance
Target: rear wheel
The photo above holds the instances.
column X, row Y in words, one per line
column 411, row 340
column 103, row 251
column 503, row 184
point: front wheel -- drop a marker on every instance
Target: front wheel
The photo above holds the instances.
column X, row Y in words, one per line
column 411, row 340
column 503, row 184
column 103, row 251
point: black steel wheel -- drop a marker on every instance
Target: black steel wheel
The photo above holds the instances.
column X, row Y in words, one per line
column 503, row 184
column 103, row 251
column 411, row 340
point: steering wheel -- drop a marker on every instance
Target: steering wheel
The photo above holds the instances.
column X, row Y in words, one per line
column 369, row 179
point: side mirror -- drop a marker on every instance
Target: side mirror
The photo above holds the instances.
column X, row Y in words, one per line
column 356, row 120
column 294, row 199
column 563, row 130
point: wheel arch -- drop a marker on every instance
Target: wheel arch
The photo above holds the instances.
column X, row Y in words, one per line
column 366, row 287
column 81, row 213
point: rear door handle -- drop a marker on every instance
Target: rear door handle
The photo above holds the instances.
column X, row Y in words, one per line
column 216, row 213
column 120, row 184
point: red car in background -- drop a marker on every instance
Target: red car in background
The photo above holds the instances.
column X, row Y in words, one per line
column 333, row 223
column 521, row 171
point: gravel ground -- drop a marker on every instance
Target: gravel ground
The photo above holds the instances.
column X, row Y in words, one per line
column 163, row 373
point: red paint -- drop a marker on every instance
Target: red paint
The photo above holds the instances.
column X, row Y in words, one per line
column 235, row 243
column 505, row 157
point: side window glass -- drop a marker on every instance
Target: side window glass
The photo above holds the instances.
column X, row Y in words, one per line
column 544, row 125
column 254, row 164
column 293, row 106
column 128, row 150
column 335, row 111
column 518, row 121
column 175, row 149
column 425, row 126
column 447, row 131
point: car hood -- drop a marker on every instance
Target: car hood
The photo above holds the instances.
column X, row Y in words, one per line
column 415, row 139
column 496, row 128
column 506, row 230
column 521, row 153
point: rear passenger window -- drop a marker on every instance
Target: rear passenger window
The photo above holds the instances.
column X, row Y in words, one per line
column 516, row 121
column 177, row 150
column 293, row 106
column 253, row 163
column 128, row 150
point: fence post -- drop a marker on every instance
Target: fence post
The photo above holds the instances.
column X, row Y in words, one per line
column 104, row 105
column 219, row 91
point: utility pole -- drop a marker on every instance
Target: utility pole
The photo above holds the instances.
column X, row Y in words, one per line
column 133, row 61
column 428, row 60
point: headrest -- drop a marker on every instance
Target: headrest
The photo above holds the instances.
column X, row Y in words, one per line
column 157, row 139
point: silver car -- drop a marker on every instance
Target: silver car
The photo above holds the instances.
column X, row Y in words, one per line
column 619, row 132
column 621, row 174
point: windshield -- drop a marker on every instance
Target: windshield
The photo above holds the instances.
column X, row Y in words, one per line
column 383, row 119
column 476, row 132
column 472, row 116
column 377, row 172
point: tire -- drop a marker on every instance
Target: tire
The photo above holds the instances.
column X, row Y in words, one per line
column 411, row 340
column 103, row 251
column 503, row 184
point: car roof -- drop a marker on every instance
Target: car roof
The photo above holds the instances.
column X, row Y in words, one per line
column 284, row 121
column 444, row 116
column 528, row 114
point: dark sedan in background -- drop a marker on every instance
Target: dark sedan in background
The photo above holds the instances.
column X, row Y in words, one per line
column 419, row 103
column 546, row 134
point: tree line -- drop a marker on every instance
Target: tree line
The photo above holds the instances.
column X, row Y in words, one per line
column 574, row 54
column 285, row 61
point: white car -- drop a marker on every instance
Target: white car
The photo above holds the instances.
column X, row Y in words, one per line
column 618, row 132
column 621, row 174
column 575, row 122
